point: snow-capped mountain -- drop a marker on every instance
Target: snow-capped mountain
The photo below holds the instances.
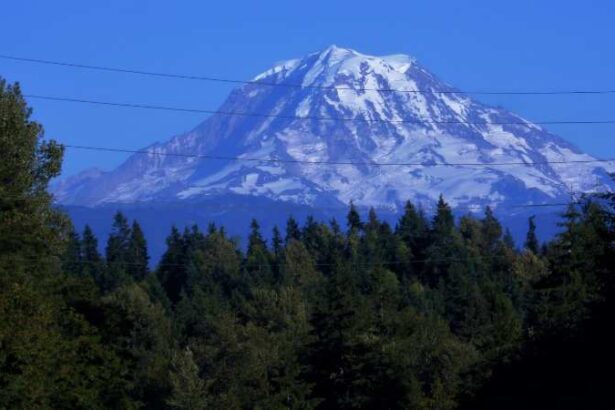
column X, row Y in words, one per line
column 338, row 131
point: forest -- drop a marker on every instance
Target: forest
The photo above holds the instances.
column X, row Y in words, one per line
column 432, row 312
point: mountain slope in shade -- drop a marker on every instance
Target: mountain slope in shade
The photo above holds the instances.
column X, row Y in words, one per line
column 307, row 120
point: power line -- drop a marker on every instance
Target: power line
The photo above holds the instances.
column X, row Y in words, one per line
column 297, row 161
column 309, row 118
column 291, row 85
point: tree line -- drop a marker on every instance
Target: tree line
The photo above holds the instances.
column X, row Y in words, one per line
column 360, row 314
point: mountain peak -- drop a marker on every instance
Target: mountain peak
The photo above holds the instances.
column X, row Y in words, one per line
column 336, row 50
column 335, row 64
column 336, row 53
column 331, row 113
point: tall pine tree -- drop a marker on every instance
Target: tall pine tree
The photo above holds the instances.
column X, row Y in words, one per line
column 531, row 240
column 137, row 259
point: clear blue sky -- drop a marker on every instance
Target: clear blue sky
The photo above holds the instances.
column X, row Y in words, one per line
column 471, row 44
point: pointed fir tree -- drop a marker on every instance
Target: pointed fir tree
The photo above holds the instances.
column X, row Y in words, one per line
column 293, row 232
column 188, row 389
column 508, row 239
column 412, row 229
column 258, row 259
column 413, row 233
column 117, row 252
column 446, row 252
column 337, row 352
column 72, row 260
column 276, row 242
column 491, row 231
column 371, row 248
column 335, row 226
column 315, row 238
column 137, row 259
column 353, row 220
column 171, row 269
column 531, row 240
column 277, row 247
column 119, row 239
column 93, row 264
column 444, row 221
column 90, row 246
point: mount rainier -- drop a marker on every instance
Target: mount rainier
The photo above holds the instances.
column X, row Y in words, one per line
column 341, row 126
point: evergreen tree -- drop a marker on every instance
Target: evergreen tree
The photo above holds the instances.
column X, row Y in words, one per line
column 258, row 258
column 117, row 253
column 341, row 326
column 412, row 228
column 188, row 388
column 276, row 243
column 413, row 231
column 73, row 257
column 140, row 333
column 91, row 257
column 29, row 226
column 50, row 357
column 444, row 221
column 531, row 241
column 373, row 248
column 491, row 231
column 277, row 248
column 172, row 268
column 137, row 259
column 119, row 240
column 316, row 236
column 292, row 230
column 445, row 248
column 276, row 333
column 299, row 270
column 353, row 220
column 508, row 239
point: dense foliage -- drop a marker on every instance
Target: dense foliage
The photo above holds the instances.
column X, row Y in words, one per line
column 416, row 315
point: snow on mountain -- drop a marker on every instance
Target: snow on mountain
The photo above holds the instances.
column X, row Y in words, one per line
column 336, row 106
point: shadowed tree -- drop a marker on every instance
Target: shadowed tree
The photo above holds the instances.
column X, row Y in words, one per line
column 137, row 258
column 292, row 230
column 258, row 259
column 531, row 241
column 353, row 220
column 72, row 260
column 117, row 253
column 50, row 356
